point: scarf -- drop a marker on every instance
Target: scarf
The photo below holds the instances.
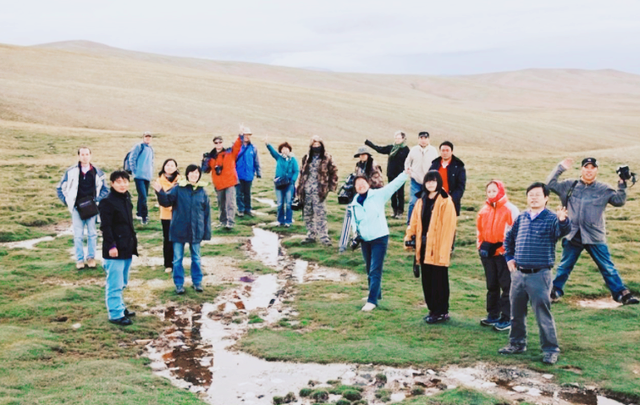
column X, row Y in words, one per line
column 397, row 147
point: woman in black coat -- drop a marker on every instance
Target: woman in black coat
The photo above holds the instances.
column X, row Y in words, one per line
column 119, row 244
column 398, row 153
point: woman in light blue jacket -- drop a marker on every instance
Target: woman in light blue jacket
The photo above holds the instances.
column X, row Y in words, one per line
column 287, row 171
column 370, row 224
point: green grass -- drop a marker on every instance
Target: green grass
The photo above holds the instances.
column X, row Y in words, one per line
column 45, row 362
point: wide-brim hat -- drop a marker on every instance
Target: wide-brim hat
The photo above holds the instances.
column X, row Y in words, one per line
column 361, row 150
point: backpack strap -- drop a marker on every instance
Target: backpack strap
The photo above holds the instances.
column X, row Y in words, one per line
column 569, row 193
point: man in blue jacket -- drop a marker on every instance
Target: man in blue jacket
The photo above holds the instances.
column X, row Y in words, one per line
column 141, row 164
column 247, row 165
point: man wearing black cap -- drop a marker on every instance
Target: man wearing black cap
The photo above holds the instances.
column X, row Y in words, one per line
column 586, row 200
column 419, row 160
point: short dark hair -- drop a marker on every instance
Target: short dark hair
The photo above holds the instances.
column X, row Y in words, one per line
column 215, row 138
column 423, row 133
column 431, row 176
column 284, row 145
column 541, row 185
column 446, row 143
column 83, row 147
column 363, row 177
column 192, row 168
column 119, row 174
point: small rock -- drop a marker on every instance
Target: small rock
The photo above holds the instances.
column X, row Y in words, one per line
column 398, row 397
column 76, row 326
column 452, row 387
column 431, row 372
column 519, row 388
column 143, row 341
column 488, row 385
column 547, row 376
column 534, row 392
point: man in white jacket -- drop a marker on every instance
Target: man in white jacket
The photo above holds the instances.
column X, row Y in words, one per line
column 419, row 160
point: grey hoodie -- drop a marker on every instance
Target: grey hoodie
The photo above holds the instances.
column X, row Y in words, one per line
column 587, row 205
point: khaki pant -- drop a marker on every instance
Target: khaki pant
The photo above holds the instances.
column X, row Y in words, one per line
column 227, row 206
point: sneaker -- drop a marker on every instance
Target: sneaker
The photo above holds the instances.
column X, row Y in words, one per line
column 555, row 295
column 124, row 321
column 550, row 358
column 308, row 241
column 240, row 214
column 91, row 263
column 249, row 214
column 629, row 299
column 198, row 287
column 168, row 270
column 80, row 265
column 502, row 325
column 180, row 290
column 431, row 319
column 228, row 226
column 513, row 349
column 129, row 314
column 489, row 320
column 144, row 220
column 218, row 225
column 287, row 225
column 368, row 307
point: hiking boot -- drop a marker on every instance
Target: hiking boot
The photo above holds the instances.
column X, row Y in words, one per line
column 129, row 314
column 326, row 242
column 308, row 241
column 91, row 263
column 629, row 299
column 124, row 321
column 502, row 324
column 144, row 220
column 490, row 320
column 368, row 307
column 513, row 349
column 80, row 265
column 198, row 287
column 550, row 358
column 431, row 319
column 179, row 290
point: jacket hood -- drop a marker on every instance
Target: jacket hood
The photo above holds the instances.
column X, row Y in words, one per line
column 502, row 194
column 185, row 183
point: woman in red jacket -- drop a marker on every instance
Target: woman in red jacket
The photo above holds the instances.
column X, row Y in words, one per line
column 494, row 221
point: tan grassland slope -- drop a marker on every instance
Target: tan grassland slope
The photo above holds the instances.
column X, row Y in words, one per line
column 80, row 84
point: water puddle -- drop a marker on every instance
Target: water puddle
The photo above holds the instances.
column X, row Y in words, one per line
column 77, row 283
column 602, row 303
column 61, row 230
column 197, row 351
column 266, row 201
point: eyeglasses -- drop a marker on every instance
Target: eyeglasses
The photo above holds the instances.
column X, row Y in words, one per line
column 218, row 143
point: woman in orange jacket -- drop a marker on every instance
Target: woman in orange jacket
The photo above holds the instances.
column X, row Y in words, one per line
column 168, row 177
column 430, row 232
column 494, row 221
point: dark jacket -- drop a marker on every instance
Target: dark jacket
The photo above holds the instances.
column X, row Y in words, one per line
column 116, row 224
column 457, row 179
column 327, row 175
column 395, row 164
column 191, row 222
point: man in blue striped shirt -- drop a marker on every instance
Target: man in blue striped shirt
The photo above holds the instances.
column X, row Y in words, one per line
column 530, row 253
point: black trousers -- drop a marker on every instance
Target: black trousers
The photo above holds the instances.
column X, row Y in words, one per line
column 167, row 246
column 498, row 278
column 435, row 285
column 397, row 199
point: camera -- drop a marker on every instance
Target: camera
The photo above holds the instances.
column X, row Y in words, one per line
column 218, row 169
column 347, row 191
column 205, row 155
column 411, row 243
column 625, row 174
column 355, row 243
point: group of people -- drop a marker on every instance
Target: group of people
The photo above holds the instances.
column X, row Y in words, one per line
column 516, row 249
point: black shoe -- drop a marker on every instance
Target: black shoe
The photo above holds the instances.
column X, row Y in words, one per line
column 489, row 321
column 180, row 290
column 124, row 321
column 249, row 214
column 629, row 299
column 129, row 314
column 431, row 319
column 416, row 270
column 198, row 287
column 308, row 241
column 513, row 349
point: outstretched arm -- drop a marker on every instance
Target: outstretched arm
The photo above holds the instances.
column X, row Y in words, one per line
column 385, row 150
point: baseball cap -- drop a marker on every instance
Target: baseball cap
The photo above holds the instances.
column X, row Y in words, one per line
column 589, row 161
column 424, row 134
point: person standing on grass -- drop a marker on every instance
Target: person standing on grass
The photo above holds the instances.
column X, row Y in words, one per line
column 419, row 160
column 247, row 165
column 494, row 221
column 368, row 167
column 586, row 200
column 119, row 244
column 141, row 164
column 318, row 176
column 530, row 248
column 430, row 233
column 287, row 172
column 453, row 173
column 191, row 223
column 370, row 224
column 81, row 182
column 168, row 178
column 221, row 163
column 398, row 152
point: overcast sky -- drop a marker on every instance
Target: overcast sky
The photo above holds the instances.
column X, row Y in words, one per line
column 420, row 37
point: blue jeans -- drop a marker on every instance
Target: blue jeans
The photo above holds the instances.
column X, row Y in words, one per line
column 374, row 252
column 142, row 187
column 600, row 254
column 243, row 196
column 284, row 198
column 78, row 235
column 117, row 277
column 178, row 270
column 415, row 189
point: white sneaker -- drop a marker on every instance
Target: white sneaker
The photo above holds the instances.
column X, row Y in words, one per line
column 368, row 307
column 168, row 270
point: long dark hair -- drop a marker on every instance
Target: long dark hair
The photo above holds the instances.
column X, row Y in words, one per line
column 431, row 176
column 164, row 164
column 368, row 165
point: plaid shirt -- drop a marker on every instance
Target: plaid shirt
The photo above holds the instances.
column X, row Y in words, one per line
column 532, row 242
